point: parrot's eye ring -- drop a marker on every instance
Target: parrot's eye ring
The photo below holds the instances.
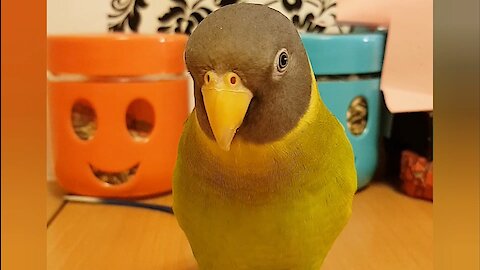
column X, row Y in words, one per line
column 281, row 60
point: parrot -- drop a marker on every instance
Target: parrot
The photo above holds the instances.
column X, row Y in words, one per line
column 264, row 177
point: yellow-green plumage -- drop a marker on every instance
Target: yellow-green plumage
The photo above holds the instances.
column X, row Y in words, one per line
column 270, row 206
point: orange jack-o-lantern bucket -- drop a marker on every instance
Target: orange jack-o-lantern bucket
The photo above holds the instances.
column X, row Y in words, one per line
column 117, row 106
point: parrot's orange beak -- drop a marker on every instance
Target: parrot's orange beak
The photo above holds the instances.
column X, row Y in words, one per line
column 226, row 101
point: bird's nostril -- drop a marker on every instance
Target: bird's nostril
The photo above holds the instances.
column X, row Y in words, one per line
column 207, row 77
column 233, row 80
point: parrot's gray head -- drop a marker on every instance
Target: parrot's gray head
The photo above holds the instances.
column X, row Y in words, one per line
column 251, row 72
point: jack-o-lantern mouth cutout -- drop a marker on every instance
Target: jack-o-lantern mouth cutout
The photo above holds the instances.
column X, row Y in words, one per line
column 115, row 178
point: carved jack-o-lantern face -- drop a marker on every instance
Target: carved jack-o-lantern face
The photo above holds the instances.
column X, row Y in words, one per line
column 139, row 121
column 117, row 106
column 117, row 140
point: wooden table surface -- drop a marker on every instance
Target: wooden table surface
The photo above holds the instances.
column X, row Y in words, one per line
column 388, row 230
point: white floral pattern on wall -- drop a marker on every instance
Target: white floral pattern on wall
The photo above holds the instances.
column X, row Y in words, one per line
column 182, row 16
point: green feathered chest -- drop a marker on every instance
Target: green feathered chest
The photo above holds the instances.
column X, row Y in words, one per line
column 278, row 207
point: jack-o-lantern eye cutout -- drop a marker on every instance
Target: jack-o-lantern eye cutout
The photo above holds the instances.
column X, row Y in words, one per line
column 140, row 119
column 357, row 116
column 84, row 120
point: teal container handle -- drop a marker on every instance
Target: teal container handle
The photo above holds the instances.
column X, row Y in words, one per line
column 356, row 53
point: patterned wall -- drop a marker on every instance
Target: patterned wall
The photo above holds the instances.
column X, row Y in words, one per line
column 182, row 16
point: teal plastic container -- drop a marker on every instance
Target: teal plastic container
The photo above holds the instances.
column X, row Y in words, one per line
column 347, row 68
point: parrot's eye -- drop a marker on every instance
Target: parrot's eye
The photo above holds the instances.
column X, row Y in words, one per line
column 281, row 61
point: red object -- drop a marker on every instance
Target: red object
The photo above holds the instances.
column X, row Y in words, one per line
column 416, row 174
